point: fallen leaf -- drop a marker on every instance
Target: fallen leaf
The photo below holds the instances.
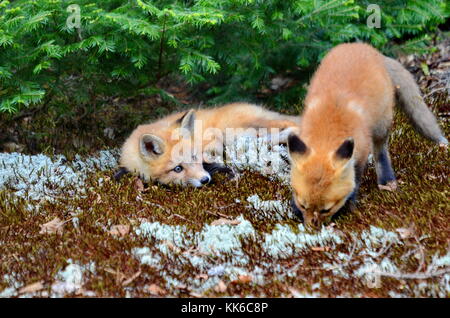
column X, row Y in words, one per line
column 108, row 132
column 131, row 279
column 119, row 230
column 202, row 276
column 171, row 246
column 109, row 270
column 26, row 120
column 120, row 277
column 155, row 290
column 52, row 227
column 143, row 220
column 181, row 286
column 418, row 255
column 12, row 147
column 371, row 295
column 265, row 90
column 406, row 232
column 194, row 251
column 32, row 288
column 425, row 69
column 223, row 221
column 138, row 185
column 85, row 293
column 196, row 295
column 245, row 279
column 391, row 186
column 320, row 248
column 220, row 287
column 279, row 82
column 331, row 225
column 295, row 292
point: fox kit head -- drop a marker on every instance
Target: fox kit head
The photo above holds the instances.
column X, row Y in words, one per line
column 167, row 155
column 321, row 181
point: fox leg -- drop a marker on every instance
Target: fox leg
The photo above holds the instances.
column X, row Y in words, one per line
column 285, row 126
column 120, row 173
column 383, row 165
column 213, row 158
column 380, row 141
column 359, row 170
column 213, row 168
column 281, row 123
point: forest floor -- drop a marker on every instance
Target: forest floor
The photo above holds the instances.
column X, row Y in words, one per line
column 67, row 229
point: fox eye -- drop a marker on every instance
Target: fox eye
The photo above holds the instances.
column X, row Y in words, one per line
column 324, row 211
column 178, row 169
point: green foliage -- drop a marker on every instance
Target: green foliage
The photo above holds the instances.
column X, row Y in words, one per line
column 124, row 47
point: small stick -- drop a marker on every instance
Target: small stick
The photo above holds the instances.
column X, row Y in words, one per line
column 413, row 275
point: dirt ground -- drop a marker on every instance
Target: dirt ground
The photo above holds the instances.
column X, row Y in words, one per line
column 67, row 229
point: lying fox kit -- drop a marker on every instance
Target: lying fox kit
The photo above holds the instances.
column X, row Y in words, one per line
column 165, row 151
column 348, row 114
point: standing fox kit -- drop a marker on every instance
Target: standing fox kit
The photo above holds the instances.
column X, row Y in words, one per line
column 150, row 150
column 348, row 114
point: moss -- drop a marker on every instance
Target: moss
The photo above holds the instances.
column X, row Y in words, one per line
column 422, row 201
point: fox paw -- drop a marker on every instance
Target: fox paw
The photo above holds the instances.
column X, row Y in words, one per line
column 284, row 134
column 120, row 173
column 443, row 142
column 390, row 186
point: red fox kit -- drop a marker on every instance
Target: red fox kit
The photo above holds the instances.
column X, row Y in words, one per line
column 151, row 150
column 348, row 114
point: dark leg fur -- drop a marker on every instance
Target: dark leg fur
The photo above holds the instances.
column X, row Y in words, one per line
column 213, row 168
column 120, row 173
column 385, row 167
column 296, row 210
column 359, row 170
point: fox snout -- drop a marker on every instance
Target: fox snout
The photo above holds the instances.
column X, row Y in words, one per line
column 313, row 219
column 309, row 218
column 201, row 180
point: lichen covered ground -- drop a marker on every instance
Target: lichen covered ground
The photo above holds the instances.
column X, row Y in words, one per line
column 68, row 229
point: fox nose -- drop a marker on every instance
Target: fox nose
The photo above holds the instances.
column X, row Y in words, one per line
column 315, row 221
column 205, row 180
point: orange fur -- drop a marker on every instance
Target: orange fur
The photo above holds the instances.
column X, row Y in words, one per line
column 159, row 167
column 350, row 96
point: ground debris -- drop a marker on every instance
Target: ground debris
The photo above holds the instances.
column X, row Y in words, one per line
column 54, row 226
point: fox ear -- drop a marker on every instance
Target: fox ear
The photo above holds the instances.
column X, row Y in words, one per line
column 187, row 121
column 296, row 146
column 151, row 146
column 345, row 151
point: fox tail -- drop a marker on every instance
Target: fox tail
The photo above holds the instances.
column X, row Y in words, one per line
column 412, row 103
